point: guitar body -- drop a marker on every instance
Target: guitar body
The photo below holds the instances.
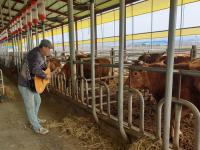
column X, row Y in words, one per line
column 40, row 84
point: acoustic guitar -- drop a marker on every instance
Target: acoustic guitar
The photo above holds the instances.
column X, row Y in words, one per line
column 40, row 84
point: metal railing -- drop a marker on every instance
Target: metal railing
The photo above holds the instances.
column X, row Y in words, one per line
column 178, row 108
column 179, row 103
column 2, row 83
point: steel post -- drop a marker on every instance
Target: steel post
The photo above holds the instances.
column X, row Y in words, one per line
column 112, row 54
column 72, row 46
column 43, row 30
column 21, row 43
column 13, row 47
column 169, row 73
column 177, row 121
column 76, row 31
column 31, row 38
column 52, row 39
column 130, row 110
column 63, row 42
column 92, row 27
column 121, row 69
column 36, row 35
column 28, row 46
column 82, row 81
column 95, row 23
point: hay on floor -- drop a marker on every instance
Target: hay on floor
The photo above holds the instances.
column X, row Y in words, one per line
column 85, row 130
column 145, row 143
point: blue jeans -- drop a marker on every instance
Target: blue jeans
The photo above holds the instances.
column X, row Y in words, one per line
column 32, row 102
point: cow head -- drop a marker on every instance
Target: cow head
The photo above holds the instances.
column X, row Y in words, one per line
column 137, row 79
column 145, row 57
column 55, row 64
column 151, row 58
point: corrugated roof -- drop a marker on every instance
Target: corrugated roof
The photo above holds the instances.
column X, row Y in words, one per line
column 58, row 9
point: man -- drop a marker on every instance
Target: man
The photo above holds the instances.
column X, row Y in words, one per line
column 33, row 65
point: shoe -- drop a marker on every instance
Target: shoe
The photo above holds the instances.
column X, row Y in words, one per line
column 42, row 131
column 42, row 120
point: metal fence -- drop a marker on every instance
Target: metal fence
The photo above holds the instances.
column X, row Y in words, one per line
column 104, row 102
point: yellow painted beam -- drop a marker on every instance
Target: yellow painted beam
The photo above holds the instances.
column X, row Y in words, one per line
column 162, row 34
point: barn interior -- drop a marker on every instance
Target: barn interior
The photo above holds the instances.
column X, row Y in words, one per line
column 125, row 74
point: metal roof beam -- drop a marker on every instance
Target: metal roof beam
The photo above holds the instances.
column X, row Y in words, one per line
column 14, row 5
column 52, row 4
column 3, row 4
column 108, row 8
column 6, row 15
column 54, row 21
column 18, row 1
column 57, row 12
column 13, row 9
column 57, row 9
column 78, row 6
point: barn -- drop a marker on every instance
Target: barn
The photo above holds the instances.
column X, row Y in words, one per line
column 99, row 74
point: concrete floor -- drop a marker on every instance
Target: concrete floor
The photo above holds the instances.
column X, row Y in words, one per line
column 14, row 133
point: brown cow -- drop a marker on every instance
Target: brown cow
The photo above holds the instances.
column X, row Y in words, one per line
column 149, row 80
column 150, row 58
column 161, row 57
column 193, row 65
column 155, row 83
column 66, row 68
column 178, row 58
column 100, row 71
column 145, row 80
column 54, row 64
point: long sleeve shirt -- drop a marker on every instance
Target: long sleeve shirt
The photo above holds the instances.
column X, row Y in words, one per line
column 33, row 65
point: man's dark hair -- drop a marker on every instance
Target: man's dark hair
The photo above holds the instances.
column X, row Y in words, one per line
column 45, row 43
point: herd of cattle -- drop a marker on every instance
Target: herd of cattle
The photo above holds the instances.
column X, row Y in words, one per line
column 100, row 71
column 153, row 81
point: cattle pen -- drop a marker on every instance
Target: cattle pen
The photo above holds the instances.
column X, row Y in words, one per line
column 131, row 66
